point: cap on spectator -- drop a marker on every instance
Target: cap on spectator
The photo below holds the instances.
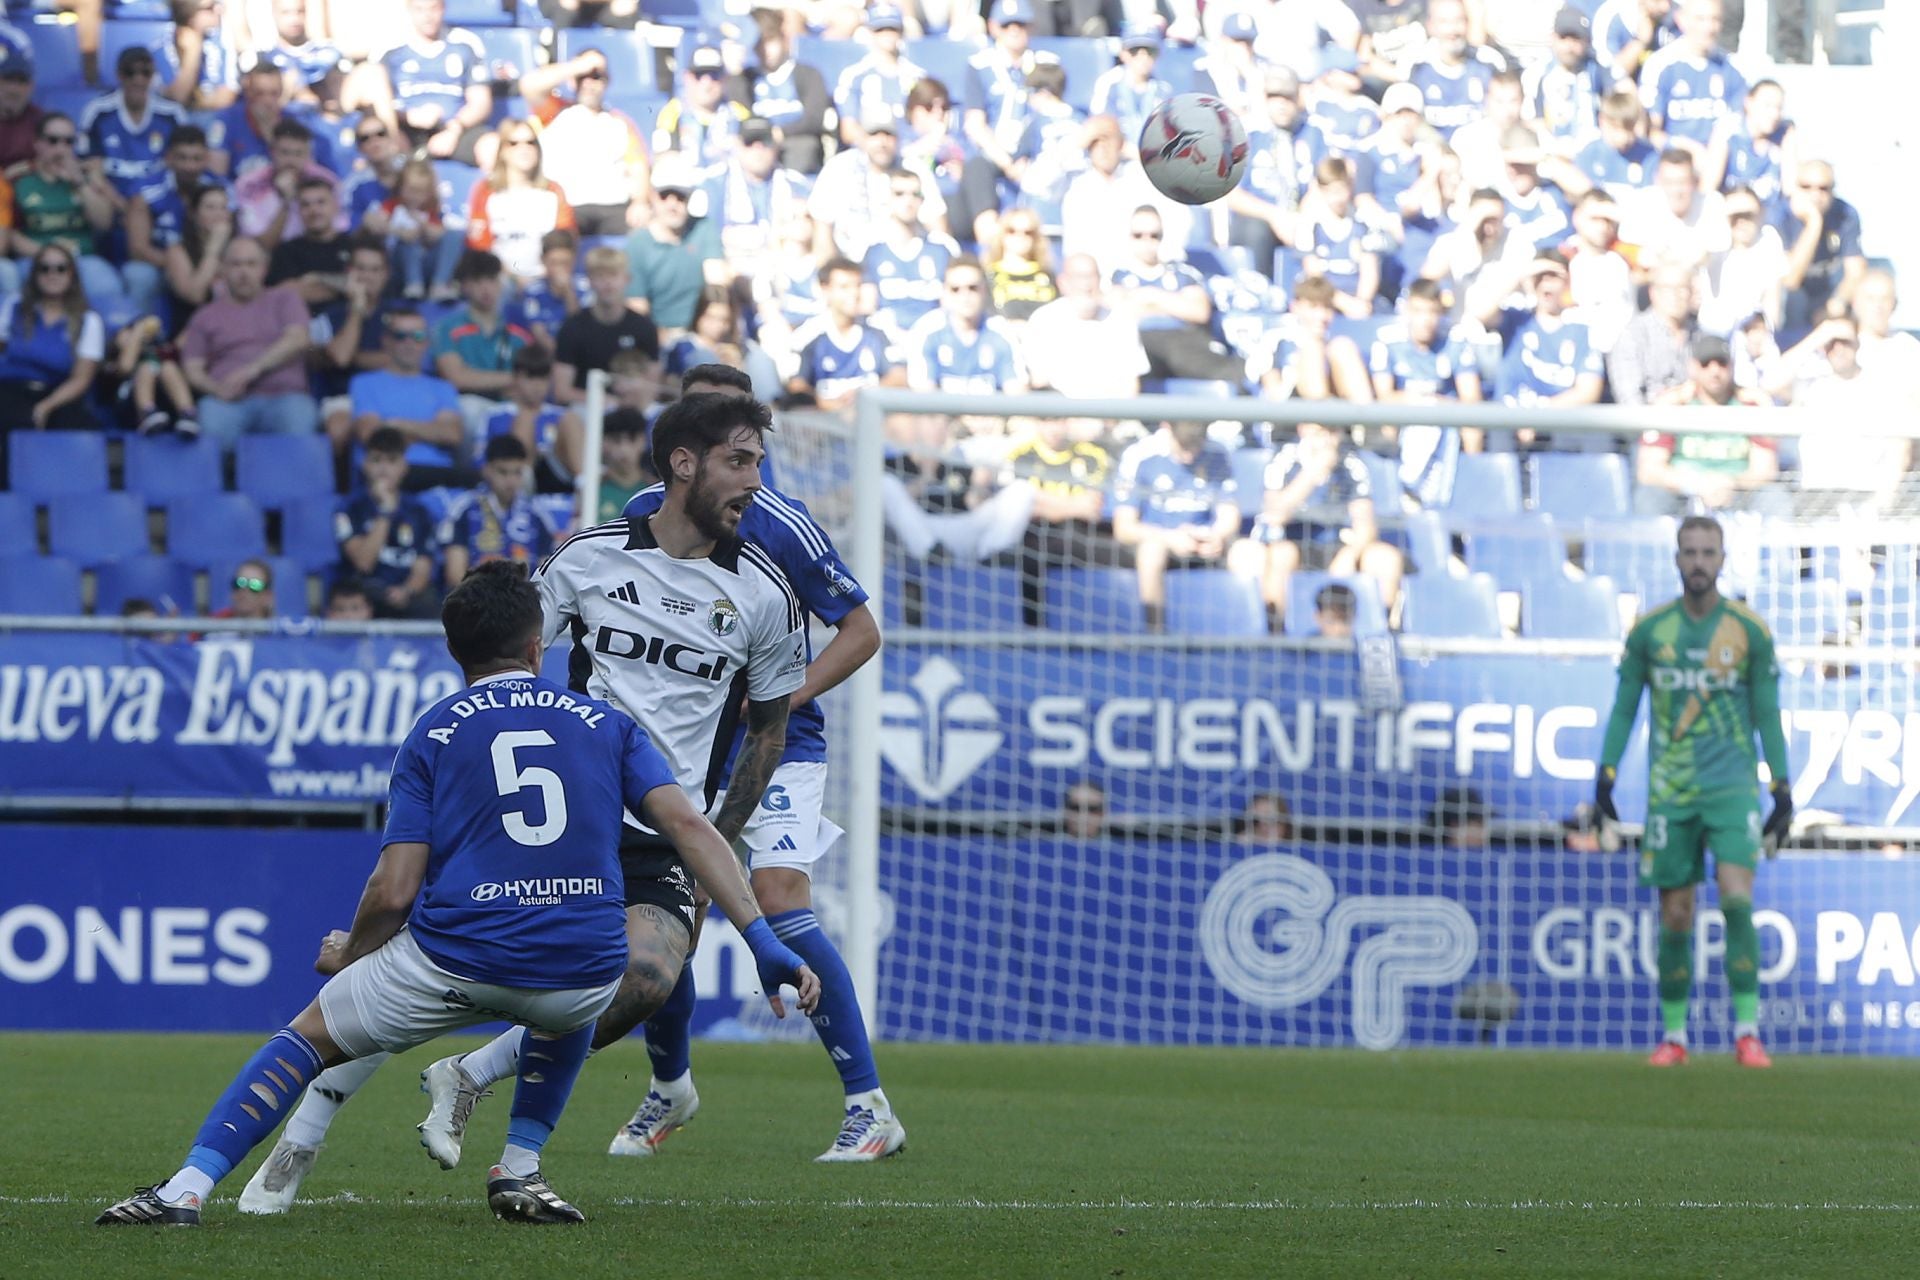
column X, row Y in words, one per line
column 753, row 129
column 1019, row 12
column 132, row 56
column 707, row 58
column 885, row 17
column 1140, row 35
column 1337, row 57
column 1710, row 348
column 16, row 61
column 1520, row 145
column 674, row 172
column 1240, row 26
column 1571, row 22
column 1402, row 97
column 1282, row 83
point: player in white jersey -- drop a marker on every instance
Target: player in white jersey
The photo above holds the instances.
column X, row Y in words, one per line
column 675, row 621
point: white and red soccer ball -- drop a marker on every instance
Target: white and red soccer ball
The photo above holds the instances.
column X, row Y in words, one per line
column 1193, row 148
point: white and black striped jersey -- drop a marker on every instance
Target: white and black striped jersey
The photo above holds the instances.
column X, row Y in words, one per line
column 676, row 644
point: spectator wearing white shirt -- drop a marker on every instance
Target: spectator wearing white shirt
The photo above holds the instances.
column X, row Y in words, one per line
column 1747, row 279
column 1843, row 470
column 1097, row 210
column 1884, row 350
column 1481, row 144
column 1077, row 344
column 1602, row 279
column 849, row 202
column 596, row 155
column 1676, row 217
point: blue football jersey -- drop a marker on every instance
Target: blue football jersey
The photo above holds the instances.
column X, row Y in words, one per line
column 907, row 280
column 517, row 787
column 1341, row 249
column 943, row 357
column 1755, row 162
column 1387, row 175
column 217, row 65
column 1618, row 173
column 1433, row 371
column 436, row 73
column 1117, row 96
column 837, row 364
column 129, row 151
column 1689, row 96
column 1344, row 127
column 1280, row 165
column 1168, row 277
column 1542, row 362
column 522, row 531
column 1452, row 97
column 169, row 211
column 784, row 529
column 1169, row 493
column 866, row 88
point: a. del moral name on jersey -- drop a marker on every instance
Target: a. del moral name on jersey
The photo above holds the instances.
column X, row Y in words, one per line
column 488, row 699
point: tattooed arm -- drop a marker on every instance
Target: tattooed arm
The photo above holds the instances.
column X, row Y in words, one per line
column 753, row 767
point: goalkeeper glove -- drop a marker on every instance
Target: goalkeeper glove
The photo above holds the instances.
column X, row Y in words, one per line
column 1603, row 794
column 1780, row 821
column 775, row 963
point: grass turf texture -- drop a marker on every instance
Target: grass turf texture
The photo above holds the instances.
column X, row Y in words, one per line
column 1038, row 1161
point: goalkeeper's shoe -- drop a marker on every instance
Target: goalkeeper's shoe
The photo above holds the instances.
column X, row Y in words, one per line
column 868, row 1132
column 145, row 1208
column 1671, row 1053
column 666, row 1109
column 454, row 1094
column 1749, row 1052
column 274, row 1184
column 528, row 1200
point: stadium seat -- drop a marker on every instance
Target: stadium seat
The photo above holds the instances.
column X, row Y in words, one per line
column 456, row 183
column 127, row 33
column 56, row 53
column 832, row 57
column 215, row 530
column 45, row 585
column 167, row 583
column 163, row 469
column 17, row 536
column 1176, row 65
column 1637, row 558
column 1794, row 560
column 139, row 11
column 289, row 585
column 641, row 108
column 480, row 13
column 1441, row 606
column 1084, row 60
column 306, row 534
column 1518, row 554
column 1214, row 602
column 630, row 62
column 946, row 61
column 276, row 470
column 1383, row 476
column 510, row 45
column 1094, row 601
column 1802, row 612
column 1369, row 618
column 97, row 528
column 1486, row 486
column 1250, row 482
column 54, row 464
column 970, row 597
column 1579, row 486
column 1570, row 609
column 1428, row 542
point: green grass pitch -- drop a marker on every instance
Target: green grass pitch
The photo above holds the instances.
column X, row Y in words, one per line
column 1027, row 1161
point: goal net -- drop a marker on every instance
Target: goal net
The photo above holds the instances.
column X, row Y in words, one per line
column 1324, row 784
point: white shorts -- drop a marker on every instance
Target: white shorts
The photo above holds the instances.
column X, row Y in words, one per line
column 397, row 998
column 787, row 829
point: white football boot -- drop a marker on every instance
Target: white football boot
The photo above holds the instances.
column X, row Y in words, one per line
column 274, row 1184
column 665, row 1110
column 868, row 1132
column 454, row 1094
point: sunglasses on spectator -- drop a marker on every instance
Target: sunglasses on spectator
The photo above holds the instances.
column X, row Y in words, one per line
column 1743, row 215
column 971, row 287
column 378, row 131
column 708, row 73
column 672, row 193
column 523, row 142
column 139, row 71
column 1715, row 360
column 52, row 268
column 244, row 583
column 1146, row 235
column 58, row 139
column 1086, row 806
column 595, row 74
column 407, row 335
column 1816, row 186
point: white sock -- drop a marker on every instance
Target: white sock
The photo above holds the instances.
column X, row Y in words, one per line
column 330, row 1091
column 497, row 1059
column 676, row 1088
column 873, row 1098
column 1746, row 1029
column 1677, row 1037
column 518, row 1162
column 188, row 1182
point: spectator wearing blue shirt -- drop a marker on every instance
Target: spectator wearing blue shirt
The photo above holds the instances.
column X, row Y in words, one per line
column 839, row 354
column 752, row 196
column 1627, row 32
column 156, row 215
column 123, row 134
column 904, row 266
column 437, row 88
column 1281, row 154
column 1452, row 74
column 1170, row 304
column 1755, row 150
column 371, row 180
column 1387, row 174
column 791, row 96
column 699, row 122
column 1419, row 362
column 1538, row 216
column 960, row 348
column 543, row 306
column 1343, row 116
column 1549, row 361
column 1177, row 506
column 1333, row 243
column 1824, row 261
column 1690, row 85
column 498, row 520
column 1564, row 95
column 51, row 345
column 1306, row 360
column 242, row 134
column 1619, row 161
column 425, row 410
column 196, row 65
column 996, row 92
column 881, row 80
column 531, row 417
column 385, row 535
column 1130, row 91
column 314, row 69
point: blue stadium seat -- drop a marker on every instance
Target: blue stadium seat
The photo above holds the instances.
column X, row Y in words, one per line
column 276, row 470
column 1250, row 482
column 641, row 108
column 831, row 57
column 1210, row 262
column 970, row 597
column 17, row 536
column 510, row 45
column 1638, row 557
column 1383, row 475
column 1081, row 601
column 56, row 54
column 129, row 33
column 165, row 468
column 1580, row 486
column 1429, row 543
column 1518, row 554
column 214, row 530
column 479, row 13
column 1802, row 612
column 1892, row 614
column 289, row 585
column 1369, row 618
column 1176, row 67
column 946, row 61
column 1569, row 609
column 630, row 63
column 1442, row 606
column 1793, row 560
column 97, row 528
column 456, row 183
column 1214, row 602
column 1084, row 60
column 306, row 534
column 167, row 583
column 139, row 11
column 54, row 464
column 46, row 585
column 1486, row 486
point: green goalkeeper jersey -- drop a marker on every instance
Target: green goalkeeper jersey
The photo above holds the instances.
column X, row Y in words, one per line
column 1713, row 684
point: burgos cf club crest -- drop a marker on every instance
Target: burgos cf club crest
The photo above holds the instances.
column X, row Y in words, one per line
column 723, row 617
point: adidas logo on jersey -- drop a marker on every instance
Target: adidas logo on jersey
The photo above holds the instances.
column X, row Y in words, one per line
column 627, row 592
column 786, row 845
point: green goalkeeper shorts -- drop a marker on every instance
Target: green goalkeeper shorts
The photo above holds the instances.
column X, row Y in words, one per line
column 1673, row 849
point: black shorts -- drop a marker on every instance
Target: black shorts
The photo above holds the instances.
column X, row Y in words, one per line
column 655, row 876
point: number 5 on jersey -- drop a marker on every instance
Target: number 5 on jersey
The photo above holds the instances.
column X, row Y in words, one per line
column 510, row 779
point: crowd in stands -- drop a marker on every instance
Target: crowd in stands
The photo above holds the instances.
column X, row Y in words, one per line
column 410, row 234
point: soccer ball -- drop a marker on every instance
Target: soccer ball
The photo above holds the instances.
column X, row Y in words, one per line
column 1193, row 148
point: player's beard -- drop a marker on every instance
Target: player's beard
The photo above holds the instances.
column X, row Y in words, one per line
column 706, row 512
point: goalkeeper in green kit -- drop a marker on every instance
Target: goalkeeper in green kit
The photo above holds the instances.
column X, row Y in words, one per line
column 1709, row 665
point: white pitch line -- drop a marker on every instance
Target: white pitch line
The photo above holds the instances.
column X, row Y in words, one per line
column 1107, row 1206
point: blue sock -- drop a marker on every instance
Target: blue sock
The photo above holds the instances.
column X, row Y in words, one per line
column 253, row 1106
column 837, row 1018
column 670, row 1030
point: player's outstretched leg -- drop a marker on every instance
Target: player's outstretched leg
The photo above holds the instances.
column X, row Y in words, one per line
column 277, row 1181
column 671, row 1098
column 250, row 1109
column 1676, row 984
column 453, row 1094
column 868, row 1130
column 1743, row 981
column 516, row 1189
